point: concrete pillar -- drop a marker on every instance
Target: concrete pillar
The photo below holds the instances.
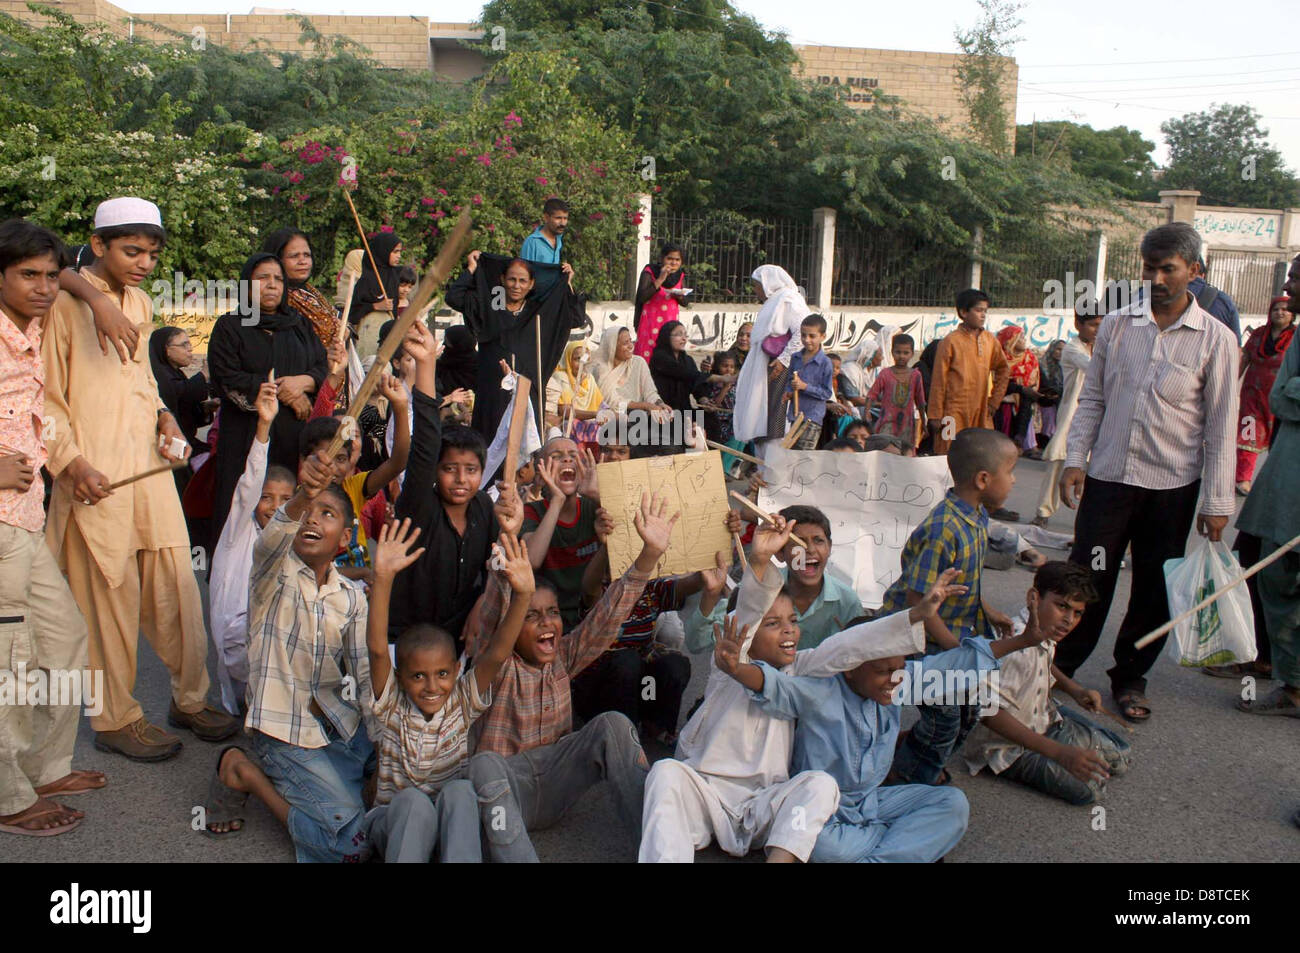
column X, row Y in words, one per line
column 823, row 270
column 1181, row 204
column 641, row 258
column 976, row 274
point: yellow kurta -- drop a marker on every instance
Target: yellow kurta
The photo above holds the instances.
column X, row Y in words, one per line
column 959, row 386
column 107, row 412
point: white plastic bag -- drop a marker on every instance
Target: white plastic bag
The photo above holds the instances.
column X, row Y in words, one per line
column 1222, row 632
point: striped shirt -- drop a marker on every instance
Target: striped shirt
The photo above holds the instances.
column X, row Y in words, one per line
column 530, row 705
column 1158, row 409
column 420, row 752
column 302, row 638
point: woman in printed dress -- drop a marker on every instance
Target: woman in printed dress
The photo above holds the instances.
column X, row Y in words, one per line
column 658, row 298
column 1261, row 357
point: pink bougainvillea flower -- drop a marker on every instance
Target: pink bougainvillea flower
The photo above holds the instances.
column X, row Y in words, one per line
column 597, row 216
column 294, row 177
column 512, row 119
column 385, row 228
column 442, row 191
column 542, row 180
column 438, row 214
column 409, row 214
column 484, row 158
column 478, row 200
column 268, row 167
column 428, row 201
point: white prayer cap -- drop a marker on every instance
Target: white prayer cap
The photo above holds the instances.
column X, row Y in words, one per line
column 127, row 211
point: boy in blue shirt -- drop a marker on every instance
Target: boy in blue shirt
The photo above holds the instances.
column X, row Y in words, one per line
column 810, row 375
column 847, row 725
column 954, row 536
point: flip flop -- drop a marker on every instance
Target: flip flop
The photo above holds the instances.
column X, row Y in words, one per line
column 223, row 804
column 47, row 832
column 1276, row 702
column 1132, row 698
column 63, row 786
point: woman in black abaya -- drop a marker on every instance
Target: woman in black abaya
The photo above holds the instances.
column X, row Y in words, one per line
column 242, row 352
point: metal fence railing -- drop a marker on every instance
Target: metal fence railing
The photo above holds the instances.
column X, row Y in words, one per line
column 1251, row 278
column 874, row 267
column 1017, row 273
column 722, row 249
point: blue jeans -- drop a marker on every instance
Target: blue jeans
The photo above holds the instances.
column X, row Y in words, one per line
column 932, row 740
column 408, row 828
column 323, row 788
column 1043, row 774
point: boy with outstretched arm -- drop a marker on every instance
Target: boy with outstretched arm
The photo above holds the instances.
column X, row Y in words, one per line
column 442, row 497
column 953, row 536
column 530, row 766
column 258, row 494
column 1033, row 740
column 847, row 725
column 424, row 707
column 732, row 781
column 309, row 682
column 823, row 601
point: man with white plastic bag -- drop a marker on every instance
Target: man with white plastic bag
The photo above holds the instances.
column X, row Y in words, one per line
column 1222, row 632
column 1272, row 512
column 1155, row 431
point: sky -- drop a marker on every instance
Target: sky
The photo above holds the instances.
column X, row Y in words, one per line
column 1104, row 62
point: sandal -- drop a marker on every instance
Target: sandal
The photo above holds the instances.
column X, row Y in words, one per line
column 1030, row 559
column 1238, row 669
column 224, row 805
column 73, row 783
column 15, row 825
column 1129, row 698
column 1276, row 702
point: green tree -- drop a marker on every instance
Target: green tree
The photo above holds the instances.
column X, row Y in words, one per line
column 1120, row 156
column 1223, row 152
column 986, row 49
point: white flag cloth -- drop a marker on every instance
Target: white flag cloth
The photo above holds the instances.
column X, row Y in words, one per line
column 530, row 442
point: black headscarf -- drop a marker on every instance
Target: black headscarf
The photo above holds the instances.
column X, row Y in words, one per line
column 372, row 287
column 458, row 366
column 275, row 244
column 168, row 376
column 283, row 316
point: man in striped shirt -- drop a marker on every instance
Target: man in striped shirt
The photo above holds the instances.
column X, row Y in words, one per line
column 1157, row 416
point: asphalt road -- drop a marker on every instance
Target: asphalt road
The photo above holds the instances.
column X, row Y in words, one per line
column 1208, row 783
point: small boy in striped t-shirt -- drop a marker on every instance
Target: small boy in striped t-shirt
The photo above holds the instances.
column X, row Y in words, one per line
column 424, row 708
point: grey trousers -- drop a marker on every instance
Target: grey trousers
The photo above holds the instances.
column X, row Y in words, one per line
column 532, row 790
column 408, row 828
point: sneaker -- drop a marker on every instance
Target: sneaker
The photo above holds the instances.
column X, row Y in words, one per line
column 1006, row 515
column 208, row 724
column 1039, row 521
column 139, row 741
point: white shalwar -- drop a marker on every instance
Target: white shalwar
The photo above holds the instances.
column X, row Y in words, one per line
column 731, row 780
column 228, row 582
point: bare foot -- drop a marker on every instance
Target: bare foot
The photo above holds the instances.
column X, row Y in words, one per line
column 232, row 771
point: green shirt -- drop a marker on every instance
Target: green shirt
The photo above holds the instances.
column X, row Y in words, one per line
column 1272, row 510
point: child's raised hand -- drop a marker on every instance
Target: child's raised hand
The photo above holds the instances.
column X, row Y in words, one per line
column 1032, row 629
column 268, row 404
column 653, row 524
column 515, row 567
column 588, row 484
column 315, row 474
column 727, row 643
column 394, row 391
column 393, row 548
column 604, row 525
column 945, row 587
column 419, row 342
column 716, row 578
column 549, row 471
column 770, row 538
column 459, row 396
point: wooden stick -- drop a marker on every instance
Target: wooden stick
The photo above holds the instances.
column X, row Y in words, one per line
column 1269, row 560
column 740, row 551
column 515, row 436
column 796, row 429
column 347, row 310
column 736, row 453
column 364, row 241
column 166, row 468
column 1110, row 714
column 541, row 384
column 795, row 391
column 433, row 280
column 767, row 517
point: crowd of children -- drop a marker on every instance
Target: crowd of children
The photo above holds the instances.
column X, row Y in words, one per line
column 431, row 663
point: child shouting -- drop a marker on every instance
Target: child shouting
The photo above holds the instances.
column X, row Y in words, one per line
column 424, row 708
column 1034, row 740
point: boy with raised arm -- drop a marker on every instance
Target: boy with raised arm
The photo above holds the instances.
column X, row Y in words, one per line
column 733, row 780
column 424, row 707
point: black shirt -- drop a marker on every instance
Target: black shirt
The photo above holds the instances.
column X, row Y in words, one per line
column 443, row 584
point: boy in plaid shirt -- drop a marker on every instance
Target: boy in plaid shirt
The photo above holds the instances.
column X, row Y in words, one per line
column 954, row 536
column 529, row 766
